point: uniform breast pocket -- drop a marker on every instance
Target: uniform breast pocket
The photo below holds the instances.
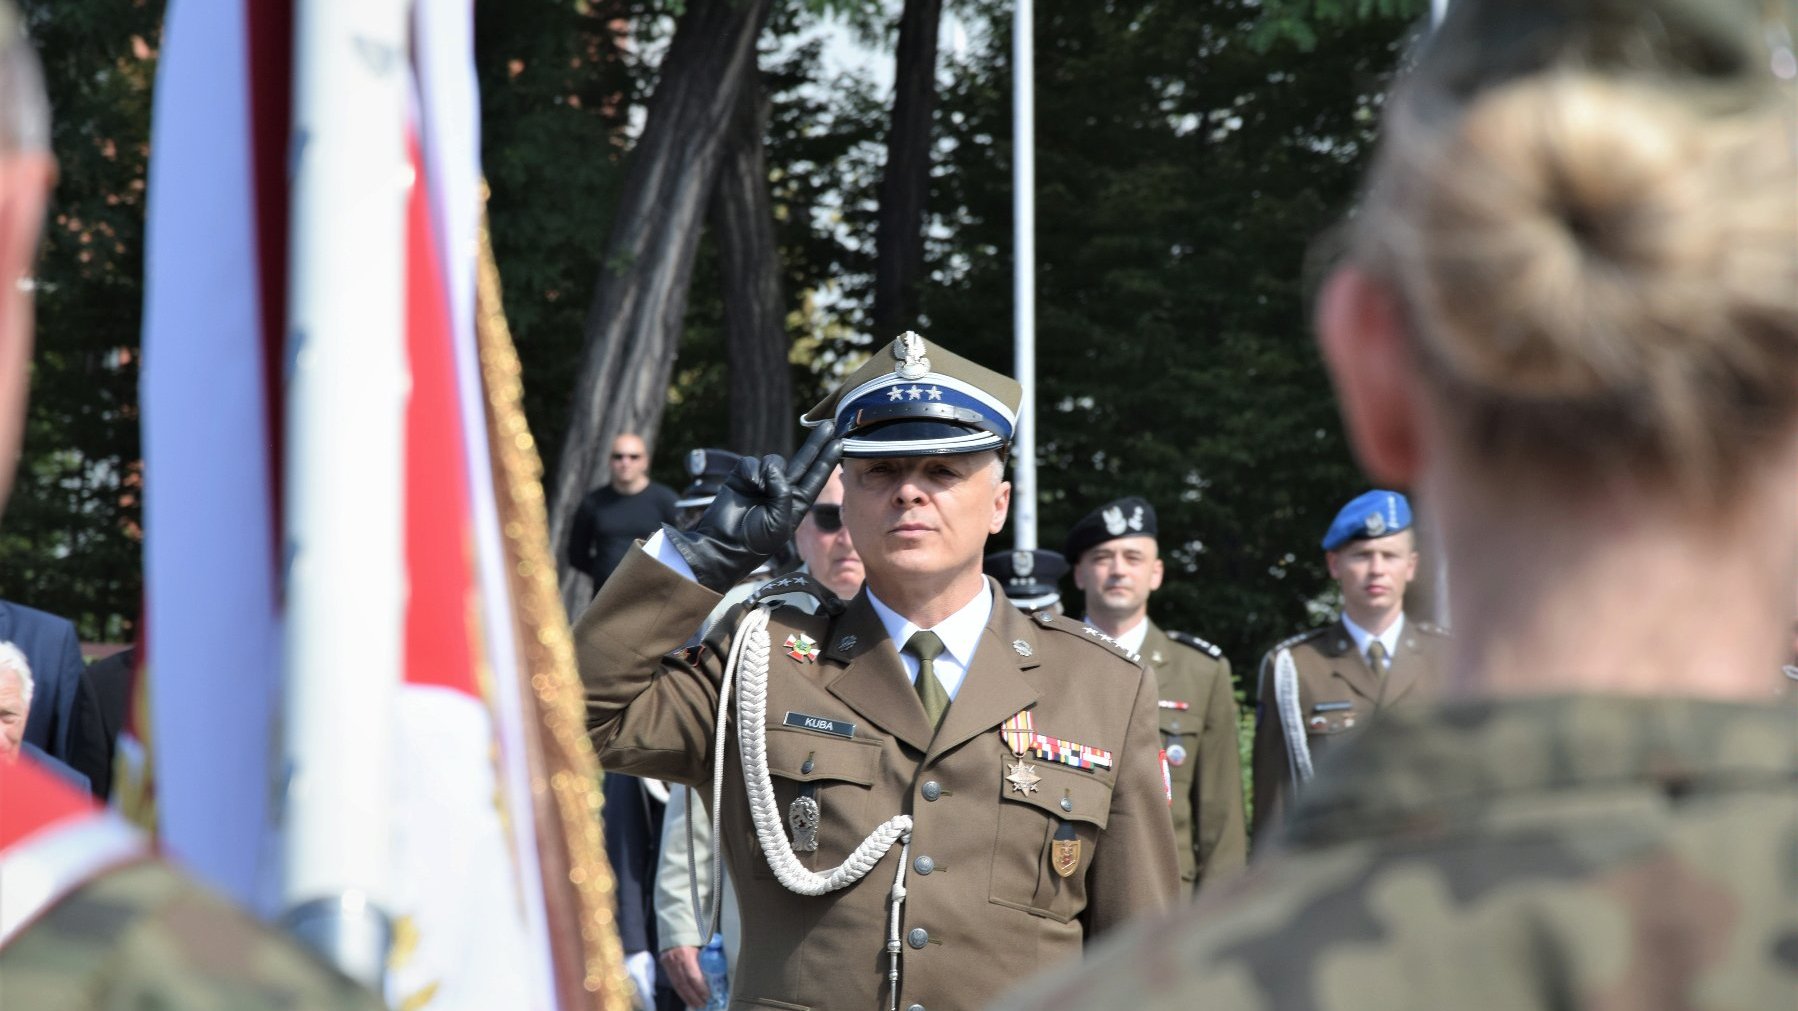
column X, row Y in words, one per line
column 1180, row 738
column 1049, row 834
column 830, row 779
column 1327, row 719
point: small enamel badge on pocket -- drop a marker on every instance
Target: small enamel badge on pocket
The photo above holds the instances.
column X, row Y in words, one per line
column 1064, row 852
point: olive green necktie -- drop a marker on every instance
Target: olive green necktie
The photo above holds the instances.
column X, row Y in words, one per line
column 1377, row 658
column 927, row 646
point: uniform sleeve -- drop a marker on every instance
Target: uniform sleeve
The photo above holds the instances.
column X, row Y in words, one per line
column 1134, row 870
column 649, row 713
column 1271, row 767
column 1217, row 790
column 677, row 925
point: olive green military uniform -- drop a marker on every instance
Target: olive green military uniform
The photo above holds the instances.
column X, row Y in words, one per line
column 1198, row 732
column 142, row 936
column 986, row 904
column 1338, row 693
column 1524, row 855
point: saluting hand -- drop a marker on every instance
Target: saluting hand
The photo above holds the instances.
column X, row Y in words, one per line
column 756, row 511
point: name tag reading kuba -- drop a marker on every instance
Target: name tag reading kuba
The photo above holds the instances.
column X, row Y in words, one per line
column 821, row 724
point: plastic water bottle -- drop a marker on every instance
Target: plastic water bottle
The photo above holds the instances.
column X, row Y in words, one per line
column 716, row 972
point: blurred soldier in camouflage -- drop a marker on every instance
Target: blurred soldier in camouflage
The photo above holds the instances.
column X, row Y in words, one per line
column 87, row 918
column 1568, row 319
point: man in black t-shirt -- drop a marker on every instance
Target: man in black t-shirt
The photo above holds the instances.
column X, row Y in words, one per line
column 613, row 517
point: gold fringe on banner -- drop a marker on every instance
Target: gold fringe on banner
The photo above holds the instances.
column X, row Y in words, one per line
column 565, row 772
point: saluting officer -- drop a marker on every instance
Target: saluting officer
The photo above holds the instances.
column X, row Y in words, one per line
column 1117, row 563
column 1320, row 685
column 924, row 794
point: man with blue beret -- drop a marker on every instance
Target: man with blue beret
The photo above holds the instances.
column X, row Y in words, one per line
column 924, row 795
column 1319, row 686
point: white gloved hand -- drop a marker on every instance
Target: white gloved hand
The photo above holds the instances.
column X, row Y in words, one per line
column 641, row 965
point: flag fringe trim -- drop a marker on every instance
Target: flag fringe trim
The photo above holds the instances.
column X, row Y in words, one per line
column 546, row 644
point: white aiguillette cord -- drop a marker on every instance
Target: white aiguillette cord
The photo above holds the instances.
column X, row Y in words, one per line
column 748, row 669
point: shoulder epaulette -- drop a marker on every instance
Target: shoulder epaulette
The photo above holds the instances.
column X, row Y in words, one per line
column 1188, row 639
column 1094, row 636
column 797, row 583
column 1288, row 643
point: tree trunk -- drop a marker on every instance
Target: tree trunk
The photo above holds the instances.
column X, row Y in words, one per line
column 899, row 227
column 761, row 384
column 634, row 325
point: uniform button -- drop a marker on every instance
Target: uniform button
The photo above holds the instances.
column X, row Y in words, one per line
column 932, row 790
column 806, row 769
column 918, row 937
column 923, row 865
column 1067, row 803
column 915, row 1007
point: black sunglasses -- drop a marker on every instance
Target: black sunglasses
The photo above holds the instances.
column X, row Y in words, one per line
column 828, row 517
column 627, row 456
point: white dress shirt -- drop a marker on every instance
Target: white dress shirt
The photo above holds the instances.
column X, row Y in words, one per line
column 960, row 631
column 1363, row 637
column 1132, row 640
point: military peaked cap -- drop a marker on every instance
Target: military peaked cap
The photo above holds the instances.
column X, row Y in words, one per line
column 708, row 468
column 1030, row 578
column 919, row 399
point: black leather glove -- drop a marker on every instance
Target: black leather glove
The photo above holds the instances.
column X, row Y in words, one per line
column 756, row 511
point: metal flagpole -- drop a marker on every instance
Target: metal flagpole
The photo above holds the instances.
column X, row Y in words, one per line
column 346, row 392
column 1023, row 182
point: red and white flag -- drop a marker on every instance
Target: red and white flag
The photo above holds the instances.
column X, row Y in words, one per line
column 483, row 919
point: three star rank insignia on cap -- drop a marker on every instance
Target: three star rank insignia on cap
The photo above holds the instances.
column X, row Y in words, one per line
column 802, row 647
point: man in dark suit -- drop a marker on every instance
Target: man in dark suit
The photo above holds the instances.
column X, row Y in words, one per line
column 100, row 705
column 49, row 643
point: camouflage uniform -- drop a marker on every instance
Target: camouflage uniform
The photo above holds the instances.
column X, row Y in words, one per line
column 1530, row 853
column 143, row 937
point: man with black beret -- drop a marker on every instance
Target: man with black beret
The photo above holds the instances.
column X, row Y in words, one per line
column 1320, row 685
column 924, row 795
column 1117, row 563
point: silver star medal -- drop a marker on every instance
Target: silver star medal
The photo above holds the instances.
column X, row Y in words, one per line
column 1022, row 777
column 908, row 351
column 804, row 816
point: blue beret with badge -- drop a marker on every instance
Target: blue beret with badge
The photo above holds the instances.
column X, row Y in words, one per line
column 914, row 398
column 1374, row 514
column 708, row 468
column 1125, row 517
column 1030, row 578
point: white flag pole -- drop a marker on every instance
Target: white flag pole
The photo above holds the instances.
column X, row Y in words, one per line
column 1023, row 106
column 346, row 397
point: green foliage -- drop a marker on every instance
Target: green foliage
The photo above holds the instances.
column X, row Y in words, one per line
column 1299, row 21
column 1181, row 175
column 557, row 82
column 71, row 541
